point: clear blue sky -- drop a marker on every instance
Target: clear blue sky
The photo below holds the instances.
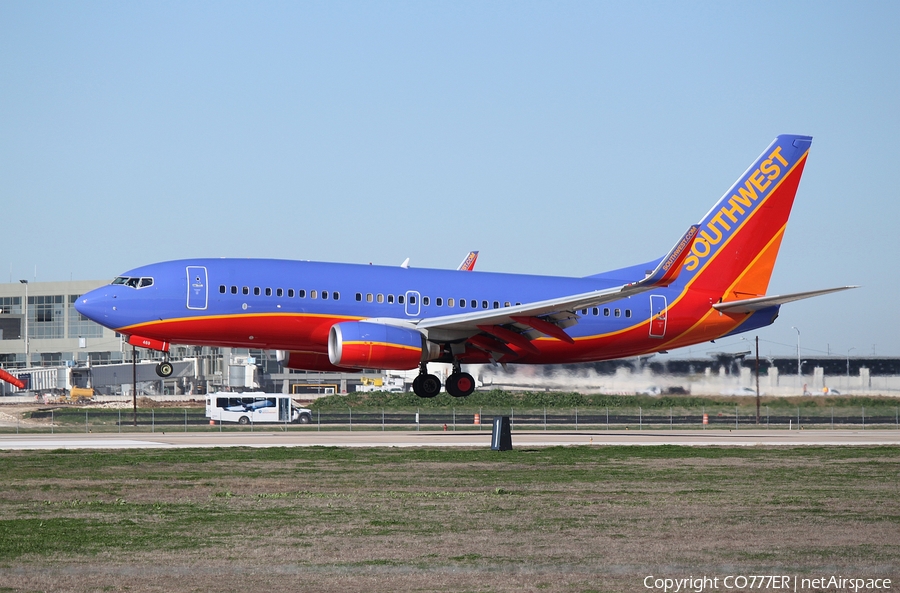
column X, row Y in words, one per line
column 556, row 138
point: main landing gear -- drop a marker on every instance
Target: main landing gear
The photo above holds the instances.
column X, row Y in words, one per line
column 459, row 384
column 426, row 385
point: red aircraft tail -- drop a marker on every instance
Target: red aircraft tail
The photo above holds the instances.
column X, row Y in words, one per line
column 734, row 253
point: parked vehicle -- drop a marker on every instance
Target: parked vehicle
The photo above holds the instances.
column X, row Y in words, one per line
column 255, row 408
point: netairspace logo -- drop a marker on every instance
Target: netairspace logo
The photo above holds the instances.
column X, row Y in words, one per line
column 764, row 583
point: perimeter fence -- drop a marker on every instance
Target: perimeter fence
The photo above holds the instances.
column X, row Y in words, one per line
column 65, row 419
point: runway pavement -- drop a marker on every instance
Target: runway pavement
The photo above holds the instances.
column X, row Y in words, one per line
column 476, row 439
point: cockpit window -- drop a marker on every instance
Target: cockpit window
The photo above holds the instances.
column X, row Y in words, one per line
column 134, row 282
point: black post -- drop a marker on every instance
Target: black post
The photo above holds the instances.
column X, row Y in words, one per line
column 134, row 382
column 757, row 380
column 501, row 437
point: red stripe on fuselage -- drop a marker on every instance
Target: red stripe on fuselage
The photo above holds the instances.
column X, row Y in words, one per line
column 273, row 331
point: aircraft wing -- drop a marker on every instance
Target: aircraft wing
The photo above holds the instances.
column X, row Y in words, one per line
column 550, row 316
column 755, row 304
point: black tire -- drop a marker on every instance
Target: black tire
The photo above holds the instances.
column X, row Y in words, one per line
column 304, row 418
column 165, row 369
column 460, row 384
column 427, row 386
column 244, row 420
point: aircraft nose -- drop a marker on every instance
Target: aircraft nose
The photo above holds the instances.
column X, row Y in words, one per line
column 96, row 305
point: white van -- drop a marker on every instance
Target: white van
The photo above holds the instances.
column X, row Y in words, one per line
column 255, row 408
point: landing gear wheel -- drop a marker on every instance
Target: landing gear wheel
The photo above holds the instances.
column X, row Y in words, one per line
column 165, row 369
column 426, row 385
column 460, row 384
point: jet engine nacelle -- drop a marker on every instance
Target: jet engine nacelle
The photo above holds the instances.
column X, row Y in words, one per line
column 378, row 346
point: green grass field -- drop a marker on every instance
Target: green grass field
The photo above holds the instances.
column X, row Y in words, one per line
column 550, row 519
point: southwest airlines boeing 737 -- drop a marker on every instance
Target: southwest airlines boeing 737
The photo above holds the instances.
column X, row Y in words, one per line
column 343, row 317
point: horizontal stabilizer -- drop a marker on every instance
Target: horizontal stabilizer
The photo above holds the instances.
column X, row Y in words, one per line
column 755, row 304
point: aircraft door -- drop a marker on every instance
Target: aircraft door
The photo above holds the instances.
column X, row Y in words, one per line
column 658, row 314
column 198, row 291
column 413, row 303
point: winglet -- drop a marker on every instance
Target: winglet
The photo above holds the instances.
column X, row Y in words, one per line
column 668, row 269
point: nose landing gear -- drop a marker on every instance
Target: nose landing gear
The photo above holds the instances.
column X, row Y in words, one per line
column 165, row 369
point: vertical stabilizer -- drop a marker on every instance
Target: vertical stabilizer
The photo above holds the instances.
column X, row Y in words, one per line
column 737, row 243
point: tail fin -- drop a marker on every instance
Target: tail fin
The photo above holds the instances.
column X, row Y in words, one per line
column 735, row 249
column 468, row 264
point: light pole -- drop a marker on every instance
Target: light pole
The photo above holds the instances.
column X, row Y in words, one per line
column 25, row 316
column 848, row 363
column 799, row 373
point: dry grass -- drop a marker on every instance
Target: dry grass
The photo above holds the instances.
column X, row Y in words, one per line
column 559, row 519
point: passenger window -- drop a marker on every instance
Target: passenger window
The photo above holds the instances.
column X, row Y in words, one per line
column 234, row 290
column 584, row 311
column 595, row 311
column 222, row 288
column 496, row 304
column 324, row 294
column 627, row 312
column 439, row 302
column 474, row 304
column 618, row 312
column 359, row 297
column 484, row 304
column 256, row 290
column 246, row 290
column 290, row 293
column 400, row 299
column 379, row 298
column 268, row 292
column 450, row 302
column 369, row 297
column 606, row 312
column 279, row 292
column 506, row 304
column 462, row 303
column 390, row 299
column 425, row 301
column 313, row 294
column 335, row 295
column 301, row 294
column 412, row 299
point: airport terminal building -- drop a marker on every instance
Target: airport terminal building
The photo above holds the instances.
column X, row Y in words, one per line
column 44, row 338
